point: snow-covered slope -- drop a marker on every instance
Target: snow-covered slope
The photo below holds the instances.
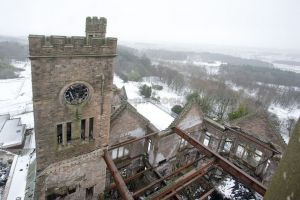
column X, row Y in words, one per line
column 16, row 95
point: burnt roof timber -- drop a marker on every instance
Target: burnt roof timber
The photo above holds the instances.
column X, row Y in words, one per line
column 131, row 141
column 166, row 177
column 226, row 165
column 182, row 183
column 122, row 188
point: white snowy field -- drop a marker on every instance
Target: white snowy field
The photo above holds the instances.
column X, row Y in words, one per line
column 235, row 87
column 284, row 115
column 16, row 95
column 290, row 68
column 168, row 97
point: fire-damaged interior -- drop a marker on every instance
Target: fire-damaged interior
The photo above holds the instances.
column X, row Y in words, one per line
column 187, row 160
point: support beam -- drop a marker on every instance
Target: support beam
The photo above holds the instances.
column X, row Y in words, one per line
column 136, row 193
column 227, row 166
column 122, row 188
column 127, row 180
column 131, row 141
column 183, row 182
column 207, row 194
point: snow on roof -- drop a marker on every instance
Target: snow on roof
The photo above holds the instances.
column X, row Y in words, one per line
column 3, row 119
column 19, row 176
column 12, row 133
column 27, row 118
column 159, row 118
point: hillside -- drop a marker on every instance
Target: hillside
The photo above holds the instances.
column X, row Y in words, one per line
column 11, row 50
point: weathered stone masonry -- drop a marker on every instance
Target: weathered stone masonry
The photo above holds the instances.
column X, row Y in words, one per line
column 58, row 62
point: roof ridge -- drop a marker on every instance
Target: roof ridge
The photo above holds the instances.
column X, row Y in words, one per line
column 184, row 111
column 127, row 105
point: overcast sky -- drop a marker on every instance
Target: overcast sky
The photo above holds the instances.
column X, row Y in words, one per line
column 257, row 23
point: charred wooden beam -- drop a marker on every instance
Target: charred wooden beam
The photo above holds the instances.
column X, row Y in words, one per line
column 131, row 141
column 136, row 193
column 122, row 188
column 226, row 165
column 183, row 182
column 207, row 194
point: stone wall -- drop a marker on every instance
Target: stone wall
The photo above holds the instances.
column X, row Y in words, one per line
column 70, row 178
column 58, row 62
column 49, row 78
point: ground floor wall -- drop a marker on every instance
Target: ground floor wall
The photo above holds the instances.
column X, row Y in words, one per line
column 81, row 177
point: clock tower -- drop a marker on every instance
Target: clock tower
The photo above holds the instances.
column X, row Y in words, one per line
column 72, row 87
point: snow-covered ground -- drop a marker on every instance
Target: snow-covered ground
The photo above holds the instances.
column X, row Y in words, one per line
column 280, row 88
column 168, row 97
column 235, row 87
column 290, row 68
column 226, row 187
column 234, row 190
column 16, row 95
column 212, row 68
column 284, row 115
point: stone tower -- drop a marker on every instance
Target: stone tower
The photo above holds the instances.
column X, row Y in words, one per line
column 72, row 87
column 95, row 27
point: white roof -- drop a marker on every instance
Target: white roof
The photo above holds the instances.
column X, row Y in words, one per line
column 12, row 133
column 3, row 119
column 159, row 118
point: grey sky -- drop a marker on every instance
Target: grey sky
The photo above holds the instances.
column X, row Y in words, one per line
column 261, row 23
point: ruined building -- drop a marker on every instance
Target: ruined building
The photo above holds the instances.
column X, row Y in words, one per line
column 93, row 144
column 72, row 88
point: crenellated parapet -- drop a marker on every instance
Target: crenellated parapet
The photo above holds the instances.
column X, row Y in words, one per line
column 61, row 46
column 95, row 27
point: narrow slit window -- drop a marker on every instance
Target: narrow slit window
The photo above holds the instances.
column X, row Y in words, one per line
column 227, row 145
column 69, row 131
column 83, row 129
column 91, row 128
column 207, row 139
column 59, row 130
column 149, row 145
column 89, row 193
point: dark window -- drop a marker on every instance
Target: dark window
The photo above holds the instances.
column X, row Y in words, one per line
column 72, row 190
column 83, row 129
column 89, row 193
column 91, row 128
column 162, row 161
column 59, row 131
column 69, row 131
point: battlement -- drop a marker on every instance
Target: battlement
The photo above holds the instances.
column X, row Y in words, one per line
column 60, row 46
column 95, row 27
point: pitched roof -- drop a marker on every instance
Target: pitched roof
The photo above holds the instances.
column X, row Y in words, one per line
column 127, row 106
column 187, row 107
column 260, row 126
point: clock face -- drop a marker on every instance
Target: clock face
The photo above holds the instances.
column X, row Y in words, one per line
column 76, row 94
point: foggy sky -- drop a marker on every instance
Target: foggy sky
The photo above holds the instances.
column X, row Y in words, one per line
column 256, row 23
